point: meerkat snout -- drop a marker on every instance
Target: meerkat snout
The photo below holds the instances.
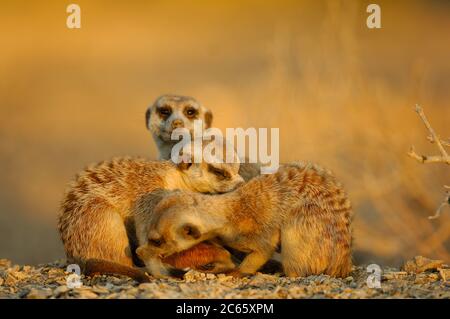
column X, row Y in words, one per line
column 177, row 124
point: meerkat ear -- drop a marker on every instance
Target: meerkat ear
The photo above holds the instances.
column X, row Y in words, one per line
column 147, row 118
column 208, row 119
column 191, row 231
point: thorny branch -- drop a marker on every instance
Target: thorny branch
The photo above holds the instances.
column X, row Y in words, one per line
column 443, row 158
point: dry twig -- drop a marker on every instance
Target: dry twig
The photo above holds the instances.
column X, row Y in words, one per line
column 443, row 158
column 445, row 202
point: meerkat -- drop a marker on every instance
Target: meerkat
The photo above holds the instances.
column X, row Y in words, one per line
column 96, row 220
column 302, row 211
column 172, row 111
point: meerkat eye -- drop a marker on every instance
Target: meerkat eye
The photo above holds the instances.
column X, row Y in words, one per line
column 157, row 242
column 190, row 111
column 220, row 173
column 165, row 111
column 207, row 267
column 191, row 231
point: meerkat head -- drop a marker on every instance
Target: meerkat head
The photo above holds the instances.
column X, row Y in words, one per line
column 170, row 227
column 171, row 111
column 175, row 224
column 211, row 176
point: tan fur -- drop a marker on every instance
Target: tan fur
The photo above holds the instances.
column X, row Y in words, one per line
column 96, row 221
column 301, row 209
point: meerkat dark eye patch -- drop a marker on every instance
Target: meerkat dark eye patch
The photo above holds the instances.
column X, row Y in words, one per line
column 190, row 112
column 164, row 111
column 220, row 173
column 191, row 231
column 156, row 242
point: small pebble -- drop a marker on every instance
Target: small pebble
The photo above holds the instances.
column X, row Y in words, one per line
column 349, row 279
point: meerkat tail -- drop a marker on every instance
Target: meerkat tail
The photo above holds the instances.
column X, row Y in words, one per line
column 93, row 266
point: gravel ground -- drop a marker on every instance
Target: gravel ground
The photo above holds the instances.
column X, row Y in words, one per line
column 420, row 278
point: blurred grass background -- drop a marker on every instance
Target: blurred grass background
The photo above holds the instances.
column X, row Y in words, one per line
column 341, row 94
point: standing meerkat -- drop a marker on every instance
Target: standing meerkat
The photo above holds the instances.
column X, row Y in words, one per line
column 171, row 111
column 96, row 222
column 301, row 211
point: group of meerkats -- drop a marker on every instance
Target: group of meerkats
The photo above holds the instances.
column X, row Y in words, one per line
column 144, row 219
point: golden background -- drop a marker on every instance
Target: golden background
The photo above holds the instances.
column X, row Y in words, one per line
column 341, row 94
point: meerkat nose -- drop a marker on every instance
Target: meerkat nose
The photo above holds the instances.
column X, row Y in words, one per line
column 177, row 124
column 240, row 181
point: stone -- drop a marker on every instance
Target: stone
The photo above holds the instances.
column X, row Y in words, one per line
column 421, row 264
column 394, row 275
column 5, row 263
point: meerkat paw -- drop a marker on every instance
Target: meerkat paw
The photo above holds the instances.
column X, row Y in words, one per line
column 159, row 275
column 146, row 277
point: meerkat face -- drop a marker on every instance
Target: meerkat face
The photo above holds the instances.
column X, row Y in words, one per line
column 169, row 112
column 157, row 240
column 213, row 176
column 170, row 237
column 177, row 225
